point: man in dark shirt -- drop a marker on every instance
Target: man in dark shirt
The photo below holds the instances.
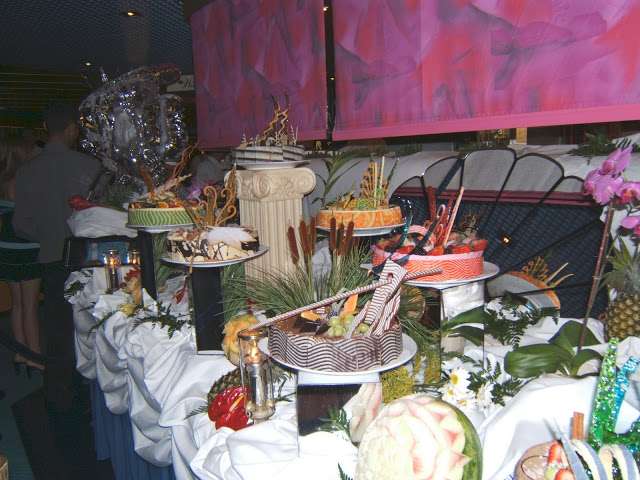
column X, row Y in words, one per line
column 43, row 187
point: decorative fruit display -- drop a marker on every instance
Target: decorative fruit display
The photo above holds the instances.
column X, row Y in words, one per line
column 231, row 329
column 420, row 437
column 623, row 313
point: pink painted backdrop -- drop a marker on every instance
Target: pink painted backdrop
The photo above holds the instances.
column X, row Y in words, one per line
column 244, row 51
column 407, row 67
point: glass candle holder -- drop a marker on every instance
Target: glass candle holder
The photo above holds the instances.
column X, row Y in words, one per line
column 133, row 257
column 255, row 371
column 112, row 265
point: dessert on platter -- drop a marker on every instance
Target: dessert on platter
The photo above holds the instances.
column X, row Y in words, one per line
column 211, row 239
column 160, row 206
column 370, row 210
column 461, row 257
column 276, row 144
column 211, row 244
column 435, row 245
column 327, row 337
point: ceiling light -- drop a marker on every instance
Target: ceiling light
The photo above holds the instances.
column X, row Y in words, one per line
column 88, row 64
column 131, row 13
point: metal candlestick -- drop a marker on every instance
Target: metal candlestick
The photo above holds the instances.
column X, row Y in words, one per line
column 133, row 257
column 255, row 371
column 112, row 265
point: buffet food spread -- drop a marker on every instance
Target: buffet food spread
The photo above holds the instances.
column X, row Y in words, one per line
column 459, row 415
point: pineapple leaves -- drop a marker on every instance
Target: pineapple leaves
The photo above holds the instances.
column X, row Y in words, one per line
column 557, row 355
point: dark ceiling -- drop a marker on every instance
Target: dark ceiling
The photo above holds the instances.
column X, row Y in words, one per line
column 46, row 44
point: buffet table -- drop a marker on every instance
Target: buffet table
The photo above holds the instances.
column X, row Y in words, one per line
column 155, row 381
column 146, row 381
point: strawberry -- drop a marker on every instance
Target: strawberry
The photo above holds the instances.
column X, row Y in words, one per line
column 404, row 250
column 479, row 244
column 564, row 474
column 461, row 249
column 439, row 250
column 556, row 453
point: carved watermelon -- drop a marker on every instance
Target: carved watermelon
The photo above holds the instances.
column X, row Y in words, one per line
column 419, row 437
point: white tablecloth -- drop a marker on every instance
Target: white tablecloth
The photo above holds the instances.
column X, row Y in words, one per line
column 159, row 380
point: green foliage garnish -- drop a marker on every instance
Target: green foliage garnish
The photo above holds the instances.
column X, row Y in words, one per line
column 117, row 195
column 343, row 476
column 489, row 372
column 509, row 324
column 409, row 149
column 467, row 148
column 599, row 144
column 165, row 318
column 337, row 422
column 102, row 320
column 557, row 355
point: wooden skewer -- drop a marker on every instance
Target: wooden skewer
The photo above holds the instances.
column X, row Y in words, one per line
column 452, row 216
column 577, row 426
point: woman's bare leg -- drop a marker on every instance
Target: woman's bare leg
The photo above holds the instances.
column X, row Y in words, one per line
column 30, row 292
column 15, row 317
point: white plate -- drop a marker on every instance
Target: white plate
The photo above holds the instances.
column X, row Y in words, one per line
column 518, row 285
column 489, row 270
column 408, row 352
column 218, row 263
column 158, row 228
column 368, row 232
column 271, row 165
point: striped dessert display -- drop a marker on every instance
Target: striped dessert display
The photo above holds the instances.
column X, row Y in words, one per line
column 284, row 153
column 371, row 338
column 454, row 266
column 149, row 217
column 334, row 354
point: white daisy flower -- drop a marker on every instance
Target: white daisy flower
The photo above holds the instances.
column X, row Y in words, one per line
column 459, row 378
column 467, row 403
column 452, row 364
column 485, row 396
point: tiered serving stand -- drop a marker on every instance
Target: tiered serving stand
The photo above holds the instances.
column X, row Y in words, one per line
column 204, row 286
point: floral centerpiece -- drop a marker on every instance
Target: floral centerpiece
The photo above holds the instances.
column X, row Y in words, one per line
column 609, row 186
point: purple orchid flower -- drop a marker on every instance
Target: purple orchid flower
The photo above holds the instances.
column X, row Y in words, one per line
column 194, row 191
column 628, row 191
column 632, row 222
column 602, row 187
column 616, row 162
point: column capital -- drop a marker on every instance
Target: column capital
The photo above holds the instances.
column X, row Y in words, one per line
column 275, row 184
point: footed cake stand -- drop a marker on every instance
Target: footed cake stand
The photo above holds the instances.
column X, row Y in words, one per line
column 205, row 298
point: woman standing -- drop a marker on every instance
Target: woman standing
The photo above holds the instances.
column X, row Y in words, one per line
column 18, row 258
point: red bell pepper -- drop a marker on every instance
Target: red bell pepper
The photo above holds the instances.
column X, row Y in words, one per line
column 227, row 409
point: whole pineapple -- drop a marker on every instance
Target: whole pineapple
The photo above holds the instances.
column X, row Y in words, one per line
column 622, row 316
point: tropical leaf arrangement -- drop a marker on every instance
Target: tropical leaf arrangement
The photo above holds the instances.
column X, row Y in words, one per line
column 600, row 144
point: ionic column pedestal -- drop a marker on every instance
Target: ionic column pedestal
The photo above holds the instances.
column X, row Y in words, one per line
column 271, row 201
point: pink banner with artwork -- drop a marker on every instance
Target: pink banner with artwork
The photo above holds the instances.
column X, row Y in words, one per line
column 409, row 67
column 246, row 51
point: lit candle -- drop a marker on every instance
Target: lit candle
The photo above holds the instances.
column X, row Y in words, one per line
column 112, row 267
column 133, row 257
column 255, row 372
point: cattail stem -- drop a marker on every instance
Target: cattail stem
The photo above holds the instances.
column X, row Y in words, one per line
column 293, row 244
